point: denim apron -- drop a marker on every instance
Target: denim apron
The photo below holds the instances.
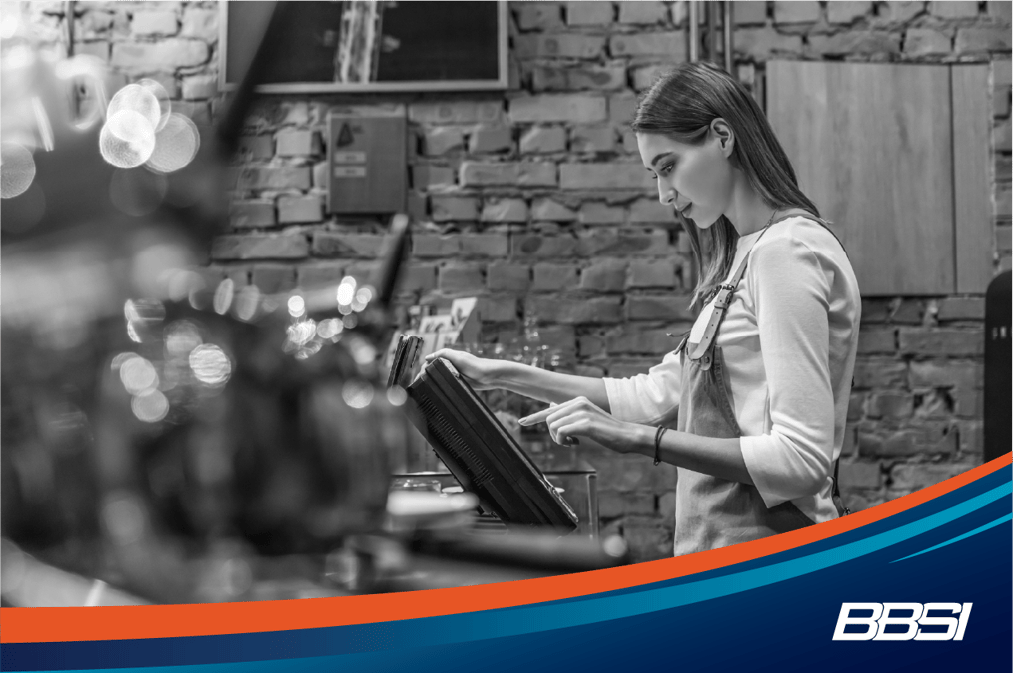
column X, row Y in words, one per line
column 712, row 512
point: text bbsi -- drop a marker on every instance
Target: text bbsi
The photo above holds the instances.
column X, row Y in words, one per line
column 910, row 626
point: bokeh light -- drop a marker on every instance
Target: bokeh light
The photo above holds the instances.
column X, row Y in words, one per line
column 17, row 170
column 150, row 406
column 296, row 306
column 161, row 95
column 176, row 144
column 247, row 302
column 346, row 291
column 124, row 519
column 181, row 337
column 138, row 375
column 397, row 395
column 127, row 139
column 10, row 20
column 329, row 328
column 139, row 99
column 357, row 394
column 210, row 364
column 224, row 293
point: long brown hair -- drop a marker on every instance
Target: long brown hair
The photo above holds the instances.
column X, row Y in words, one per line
column 681, row 104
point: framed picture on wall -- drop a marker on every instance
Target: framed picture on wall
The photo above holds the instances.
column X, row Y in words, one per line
column 367, row 46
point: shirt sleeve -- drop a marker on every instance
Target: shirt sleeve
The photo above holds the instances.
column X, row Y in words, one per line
column 791, row 300
column 647, row 398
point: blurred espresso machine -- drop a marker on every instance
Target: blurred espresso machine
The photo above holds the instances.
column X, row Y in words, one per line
column 168, row 437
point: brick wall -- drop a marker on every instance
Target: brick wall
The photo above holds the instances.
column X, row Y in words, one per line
column 534, row 199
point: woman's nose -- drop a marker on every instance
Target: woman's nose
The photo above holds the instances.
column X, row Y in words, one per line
column 666, row 194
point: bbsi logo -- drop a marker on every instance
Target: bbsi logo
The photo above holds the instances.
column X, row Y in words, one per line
column 910, row 626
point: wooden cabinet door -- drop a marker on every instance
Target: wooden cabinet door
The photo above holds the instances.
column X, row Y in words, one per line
column 874, row 146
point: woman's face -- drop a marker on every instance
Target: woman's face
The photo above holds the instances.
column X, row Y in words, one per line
column 696, row 179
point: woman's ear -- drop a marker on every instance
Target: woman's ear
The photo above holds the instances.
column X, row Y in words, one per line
column 725, row 136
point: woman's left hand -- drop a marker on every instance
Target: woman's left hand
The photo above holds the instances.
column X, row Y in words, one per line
column 580, row 417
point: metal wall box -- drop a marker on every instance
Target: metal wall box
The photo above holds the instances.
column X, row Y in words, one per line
column 367, row 160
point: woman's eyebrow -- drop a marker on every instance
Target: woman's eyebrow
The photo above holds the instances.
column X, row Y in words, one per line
column 659, row 157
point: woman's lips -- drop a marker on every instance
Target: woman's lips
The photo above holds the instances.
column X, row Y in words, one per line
column 685, row 211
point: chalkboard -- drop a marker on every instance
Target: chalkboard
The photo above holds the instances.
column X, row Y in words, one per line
column 369, row 46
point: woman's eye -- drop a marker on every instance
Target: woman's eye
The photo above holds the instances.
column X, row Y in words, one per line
column 666, row 169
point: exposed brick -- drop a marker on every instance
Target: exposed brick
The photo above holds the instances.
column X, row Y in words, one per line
column 301, row 208
column 537, row 15
column 272, row 278
column 645, row 12
column 796, row 12
column 594, row 77
column 650, row 342
column 611, row 242
column 967, row 403
column 274, row 177
column 543, row 140
column 926, row 42
column 879, row 373
column 763, row 43
column 147, row 22
column 890, row 405
column 604, row 275
column 99, row 49
column 671, row 45
column 860, row 475
column 332, row 244
column 644, row 78
column 508, row 276
column 551, row 211
column 574, row 311
column 982, row 39
column 485, row 245
column 592, row 139
column 200, row 87
column 251, row 214
column 523, row 174
column 309, row 276
column 663, row 307
column 433, row 245
column 461, row 277
column 1002, row 138
column 876, row 340
column 651, row 273
column 490, row 139
column 589, row 13
column 999, row 9
column 553, row 277
column 972, row 437
column 856, row 406
column 440, row 140
column 161, row 55
column 570, row 108
column 927, row 439
column 200, row 23
column 426, row 176
column 596, row 212
column 651, row 211
column 590, row 345
column 297, row 143
column 945, row 342
column 458, row 112
column 622, row 108
column 454, row 208
column 943, row 373
column 497, row 308
column 961, row 308
column 260, row 246
column 255, row 148
column 900, row 11
column 846, row 11
column 749, row 12
column 504, row 210
column 604, row 176
column 1003, row 207
column 921, row 475
column 954, row 10
column 859, row 42
column 875, row 311
column 616, row 503
column 558, row 46
column 418, row 277
column 537, row 245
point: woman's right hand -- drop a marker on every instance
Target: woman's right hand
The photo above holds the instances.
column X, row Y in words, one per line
column 479, row 372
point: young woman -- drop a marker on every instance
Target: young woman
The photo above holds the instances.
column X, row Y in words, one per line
column 757, row 393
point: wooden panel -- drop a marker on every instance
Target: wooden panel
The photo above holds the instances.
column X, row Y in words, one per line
column 871, row 145
column 973, row 228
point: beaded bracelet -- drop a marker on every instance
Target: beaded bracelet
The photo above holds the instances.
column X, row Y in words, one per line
column 657, row 444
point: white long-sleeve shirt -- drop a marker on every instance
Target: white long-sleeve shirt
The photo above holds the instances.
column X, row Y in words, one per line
column 799, row 300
